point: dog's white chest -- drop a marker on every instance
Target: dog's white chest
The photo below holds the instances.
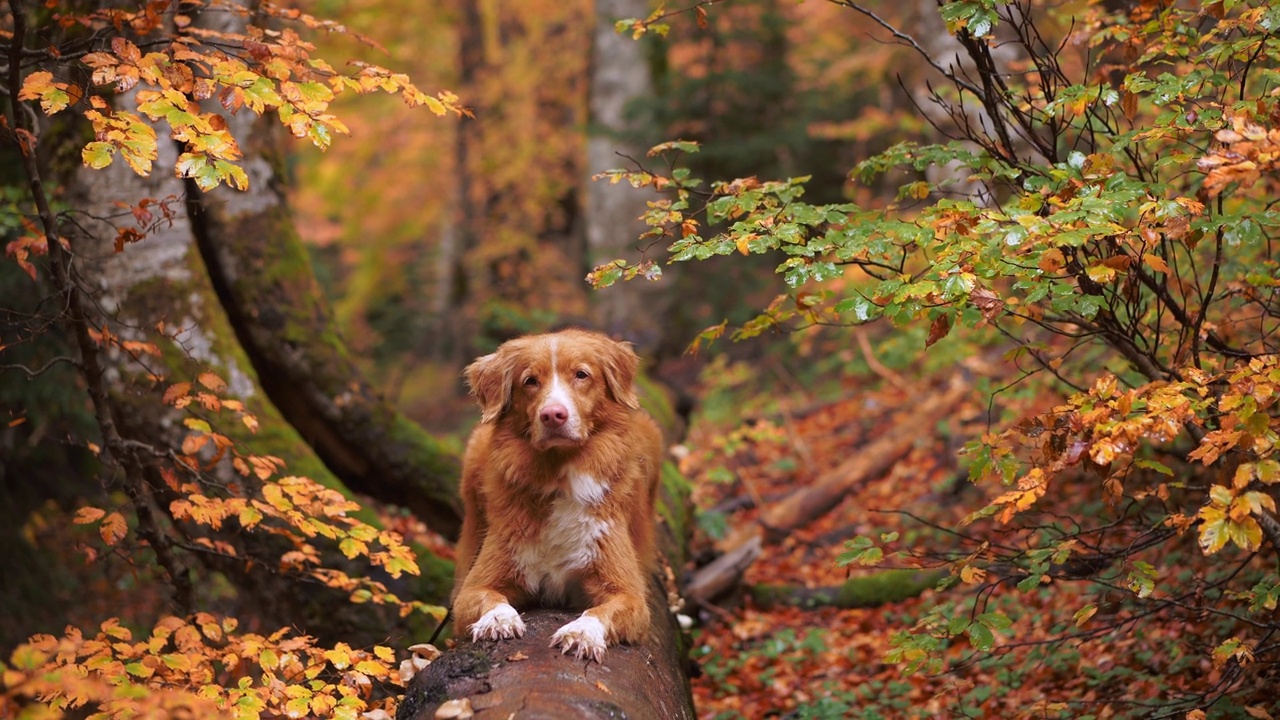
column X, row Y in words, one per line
column 569, row 541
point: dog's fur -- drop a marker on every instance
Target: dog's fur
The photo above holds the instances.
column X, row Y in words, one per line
column 558, row 485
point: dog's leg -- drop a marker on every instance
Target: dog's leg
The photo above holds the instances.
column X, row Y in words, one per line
column 487, row 614
column 618, row 613
column 484, row 605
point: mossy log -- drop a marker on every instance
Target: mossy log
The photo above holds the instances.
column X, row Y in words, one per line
column 868, row 591
column 263, row 276
column 525, row 677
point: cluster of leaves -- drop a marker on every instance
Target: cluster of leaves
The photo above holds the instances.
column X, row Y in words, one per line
column 208, row 497
column 261, row 69
column 1122, row 221
column 201, row 667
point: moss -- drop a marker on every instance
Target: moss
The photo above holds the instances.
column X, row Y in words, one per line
column 675, row 510
column 882, row 588
column 274, row 280
column 655, row 400
column 425, row 451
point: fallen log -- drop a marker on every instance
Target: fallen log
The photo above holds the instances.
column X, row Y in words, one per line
column 722, row 574
column 868, row 591
column 526, row 678
column 812, row 501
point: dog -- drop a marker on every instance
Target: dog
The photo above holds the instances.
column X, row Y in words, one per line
column 558, row 488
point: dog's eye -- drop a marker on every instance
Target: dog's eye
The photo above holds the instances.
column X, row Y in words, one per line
column 582, row 375
column 531, row 381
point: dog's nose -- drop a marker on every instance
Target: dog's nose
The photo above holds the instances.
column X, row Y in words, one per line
column 553, row 416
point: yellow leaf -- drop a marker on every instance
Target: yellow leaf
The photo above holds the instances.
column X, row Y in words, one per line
column 275, row 496
column 1213, row 533
column 339, row 656
column 972, row 575
column 372, row 667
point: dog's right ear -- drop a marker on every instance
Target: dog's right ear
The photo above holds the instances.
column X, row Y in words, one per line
column 490, row 380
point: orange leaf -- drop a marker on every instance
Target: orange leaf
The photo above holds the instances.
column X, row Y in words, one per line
column 1156, row 262
column 87, row 515
column 175, row 391
column 113, row 528
column 212, row 381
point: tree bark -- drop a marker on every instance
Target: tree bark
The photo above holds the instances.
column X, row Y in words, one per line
column 524, row 677
column 161, row 279
column 262, row 275
column 620, row 76
column 158, row 291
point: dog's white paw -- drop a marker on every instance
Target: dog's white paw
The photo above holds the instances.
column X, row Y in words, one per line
column 500, row 623
column 584, row 637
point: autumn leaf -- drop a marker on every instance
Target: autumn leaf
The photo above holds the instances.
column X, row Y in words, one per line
column 98, row 155
column 938, row 329
column 86, row 515
column 212, row 381
column 113, row 528
column 1083, row 614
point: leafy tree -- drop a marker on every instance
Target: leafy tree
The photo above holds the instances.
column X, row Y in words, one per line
column 191, row 499
column 1100, row 209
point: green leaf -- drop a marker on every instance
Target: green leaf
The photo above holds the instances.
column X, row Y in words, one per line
column 98, row 155
column 860, row 550
column 995, row 620
column 980, row 636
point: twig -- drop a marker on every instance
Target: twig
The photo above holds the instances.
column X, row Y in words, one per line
column 117, row 457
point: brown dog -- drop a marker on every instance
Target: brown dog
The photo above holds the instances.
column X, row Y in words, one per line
column 558, row 484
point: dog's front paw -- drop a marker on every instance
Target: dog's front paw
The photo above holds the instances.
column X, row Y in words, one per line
column 584, row 637
column 500, row 623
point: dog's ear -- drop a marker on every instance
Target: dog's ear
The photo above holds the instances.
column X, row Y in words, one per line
column 620, row 366
column 490, row 380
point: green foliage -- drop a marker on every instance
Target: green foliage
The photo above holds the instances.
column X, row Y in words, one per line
column 1109, row 219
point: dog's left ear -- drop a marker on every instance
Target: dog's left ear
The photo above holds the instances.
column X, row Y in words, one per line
column 490, row 380
column 620, row 366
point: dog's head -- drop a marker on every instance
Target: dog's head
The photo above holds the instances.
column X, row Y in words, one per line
column 555, row 389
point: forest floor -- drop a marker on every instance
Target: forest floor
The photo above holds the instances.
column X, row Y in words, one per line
column 1056, row 660
column 816, row 662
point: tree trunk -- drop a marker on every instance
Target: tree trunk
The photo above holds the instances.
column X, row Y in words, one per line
column 263, row 277
column 525, row 677
column 161, row 280
column 158, row 291
column 619, row 76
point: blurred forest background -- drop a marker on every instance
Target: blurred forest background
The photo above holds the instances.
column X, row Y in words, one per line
column 995, row 437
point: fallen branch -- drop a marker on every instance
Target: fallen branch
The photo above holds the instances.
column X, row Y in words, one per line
column 723, row 574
